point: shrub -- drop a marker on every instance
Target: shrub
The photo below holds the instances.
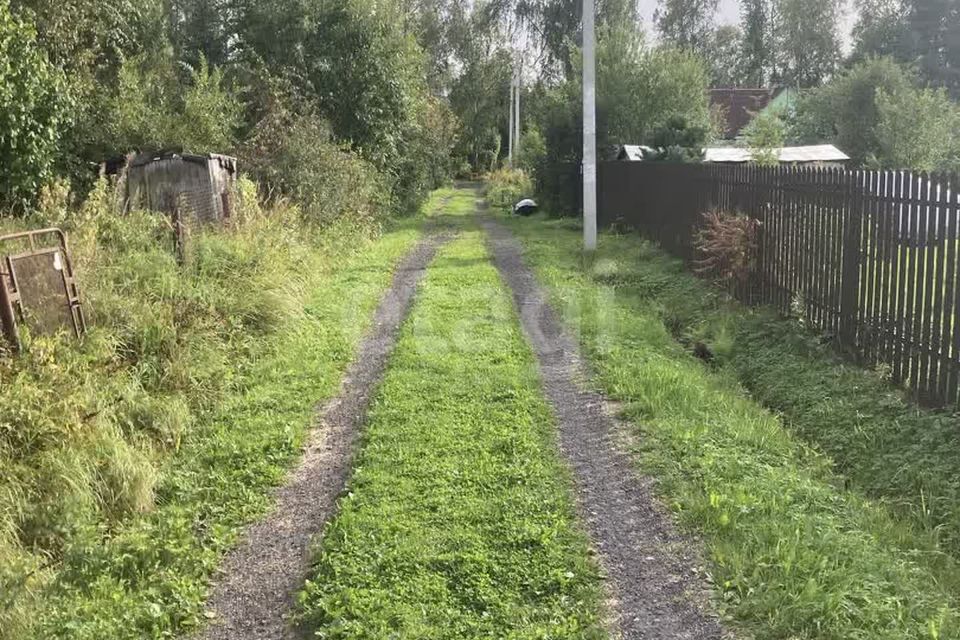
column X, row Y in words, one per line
column 292, row 152
column 533, row 150
column 153, row 108
column 726, row 244
column 506, row 187
column 765, row 136
column 917, row 129
column 33, row 111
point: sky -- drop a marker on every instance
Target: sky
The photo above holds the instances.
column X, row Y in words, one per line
column 729, row 13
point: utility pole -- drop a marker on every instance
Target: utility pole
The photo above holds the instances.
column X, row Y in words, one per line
column 589, row 129
column 510, row 143
column 516, row 120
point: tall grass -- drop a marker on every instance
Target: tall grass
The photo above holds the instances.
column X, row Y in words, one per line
column 87, row 431
column 506, row 187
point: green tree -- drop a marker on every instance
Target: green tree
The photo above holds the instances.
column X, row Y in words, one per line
column 201, row 29
column 845, row 110
column 756, row 48
column 680, row 142
column 480, row 98
column 723, row 55
column 440, row 27
column 935, row 40
column 765, row 136
column 807, row 40
column 152, row 109
column 366, row 75
column 33, row 112
column 292, row 152
column 686, row 24
column 918, row 129
column 881, row 29
column 640, row 89
column 87, row 40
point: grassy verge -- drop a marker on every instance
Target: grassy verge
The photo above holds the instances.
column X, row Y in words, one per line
column 458, row 522
column 203, row 381
column 794, row 553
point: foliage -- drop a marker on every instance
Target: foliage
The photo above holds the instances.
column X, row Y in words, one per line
column 639, row 90
column 756, row 49
column 366, row 75
column 678, row 141
column 875, row 113
column 724, row 56
column 480, row 96
column 881, row 28
column 533, row 150
column 427, row 158
column 33, row 112
column 792, row 551
column 459, row 519
column 506, row 187
column 293, row 155
column 765, row 136
column 153, row 110
column 686, row 24
column 845, row 110
column 918, row 129
column 933, row 36
column 88, row 39
column 642, row 93
column 131, row 462
column 921, row 32
column 807, row 41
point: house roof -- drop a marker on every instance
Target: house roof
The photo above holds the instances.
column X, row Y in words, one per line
column 787, row 155
column 741, row 105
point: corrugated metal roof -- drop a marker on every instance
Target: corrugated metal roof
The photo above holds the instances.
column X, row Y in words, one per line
column 812, row 153
column 227, row 162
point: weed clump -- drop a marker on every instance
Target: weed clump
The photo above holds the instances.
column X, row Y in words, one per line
column 506, row 187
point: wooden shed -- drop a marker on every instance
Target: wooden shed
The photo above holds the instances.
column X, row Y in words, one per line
column 197, row 187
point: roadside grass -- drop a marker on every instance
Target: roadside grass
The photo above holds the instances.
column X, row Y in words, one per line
column 205, row 381
column 459, row 521
column 796, row 550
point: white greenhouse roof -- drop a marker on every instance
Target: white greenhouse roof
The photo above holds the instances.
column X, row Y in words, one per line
column 812, row 153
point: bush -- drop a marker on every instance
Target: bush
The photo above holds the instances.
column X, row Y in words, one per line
column 844, row 110
column 506, row 187
column 765, row 136
column 918, row 129
column 293, row 154
column 33, row 111
column 726, row 245
column 153, row 108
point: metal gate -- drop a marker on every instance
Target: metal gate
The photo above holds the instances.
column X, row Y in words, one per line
column 37, row 285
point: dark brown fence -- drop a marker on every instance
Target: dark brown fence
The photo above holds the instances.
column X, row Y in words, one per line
column 867, row 256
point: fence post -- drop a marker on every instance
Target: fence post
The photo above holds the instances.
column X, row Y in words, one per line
column 852, row 238
column 8, row 321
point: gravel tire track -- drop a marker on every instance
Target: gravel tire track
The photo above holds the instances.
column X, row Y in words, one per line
column 253, row 598
column 650, row 569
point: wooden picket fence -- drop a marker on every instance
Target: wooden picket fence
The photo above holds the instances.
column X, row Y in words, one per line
column 869, row 257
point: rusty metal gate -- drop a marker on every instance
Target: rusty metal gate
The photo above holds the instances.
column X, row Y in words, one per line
column 37, row 285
